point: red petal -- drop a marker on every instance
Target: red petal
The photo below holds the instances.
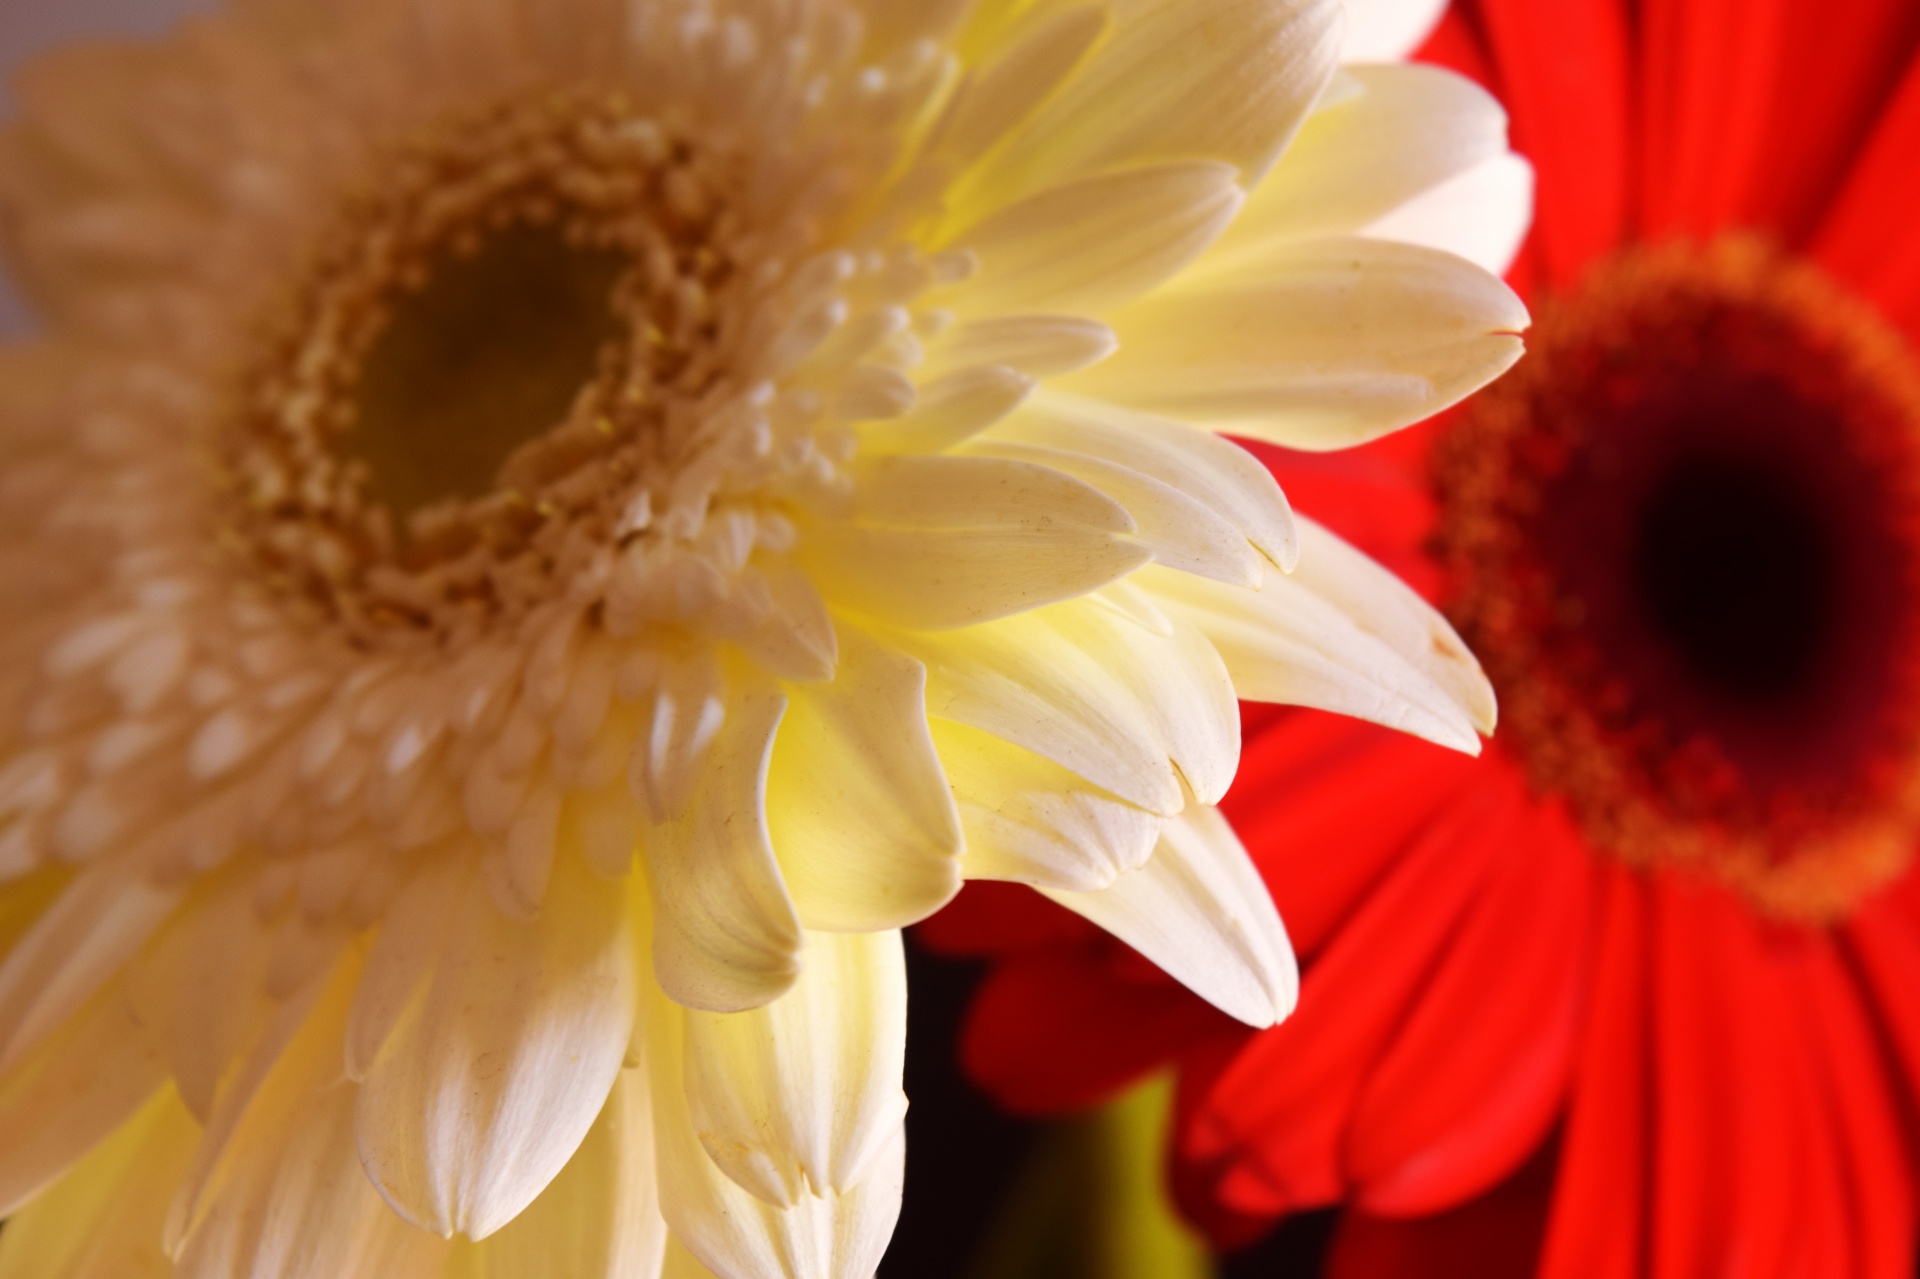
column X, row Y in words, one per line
column 1496, row 1236
column 1563, row 73
column 1710, row 69
column 1734, row 1156
column 1595, row 1229
column 1871, row 239
column 1865, row 1114
column 991, row 918
column 1324, row 804
column 1843, row 64
column 1277, row 1115
column 1375, row 496
column 1475, row 1080
column 1056, row 1030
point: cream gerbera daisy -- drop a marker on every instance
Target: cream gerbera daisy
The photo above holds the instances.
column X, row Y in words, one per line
column 543, row 532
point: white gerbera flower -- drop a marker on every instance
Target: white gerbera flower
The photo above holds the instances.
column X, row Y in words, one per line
column 543, row 532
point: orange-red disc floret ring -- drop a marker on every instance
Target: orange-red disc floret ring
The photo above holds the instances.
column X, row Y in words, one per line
column 1680, row 399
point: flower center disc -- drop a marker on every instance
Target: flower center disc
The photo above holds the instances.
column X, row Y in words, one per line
column 1685, row 537
column 490, row 353
column 489, row 365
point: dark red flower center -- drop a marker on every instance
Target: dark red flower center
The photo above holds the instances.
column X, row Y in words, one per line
column 1685, row 538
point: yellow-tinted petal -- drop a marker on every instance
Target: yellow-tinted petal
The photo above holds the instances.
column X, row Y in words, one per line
column 942, row 542
column 1088, row 245
column 1226, row 80
column 835, row 1235
column 77, row 1085
column 725, row 935
column 102, row 1219
column 1216, row 474
column 600, row 1219
column 799, row 1098
column 857, row 806
column 281, row 1191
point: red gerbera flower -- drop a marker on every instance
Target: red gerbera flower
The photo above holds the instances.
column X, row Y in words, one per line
column 1641, row 990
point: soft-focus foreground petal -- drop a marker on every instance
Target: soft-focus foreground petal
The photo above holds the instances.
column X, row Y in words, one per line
column 857, row 804
column 278, row 1190
column 501, row 1056
column 1373, row 157
column 1386, row 30
column 1335, row 342
column 799, row 1098
column 102, row 1220
column 1199, row 910
column 600, row 1219
column 92, row 928
column 71, row 1090
column 725, row 936
column 836, row 1235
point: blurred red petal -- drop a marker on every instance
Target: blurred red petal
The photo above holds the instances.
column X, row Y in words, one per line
column 1594, row 1230
column 1283, row 1104
column 1476, row 1077
column 1871, row 238
column 1053, row 1030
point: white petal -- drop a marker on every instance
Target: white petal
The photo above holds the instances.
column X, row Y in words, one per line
column 1284, row 643
column 859, row 811
column 1388, row 30
column 1028, row 63
column 1199, row 910
column 941, row 542
column 1028, row 819
column 1395, row 135
column 77, row 1085
column 283, row 1193
column 725, row 935
column 1388, row 608
column 600, row 1219
column 1179, row 680
column 102, row 1220
column 1087, row 245
column 1482, row 215
column 1333, row 342
column 502, row 1058
column 838, row 1235
column 799, row 1098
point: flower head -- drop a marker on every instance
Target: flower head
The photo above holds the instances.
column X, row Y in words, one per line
column 1633, row 994
column 541, row 534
